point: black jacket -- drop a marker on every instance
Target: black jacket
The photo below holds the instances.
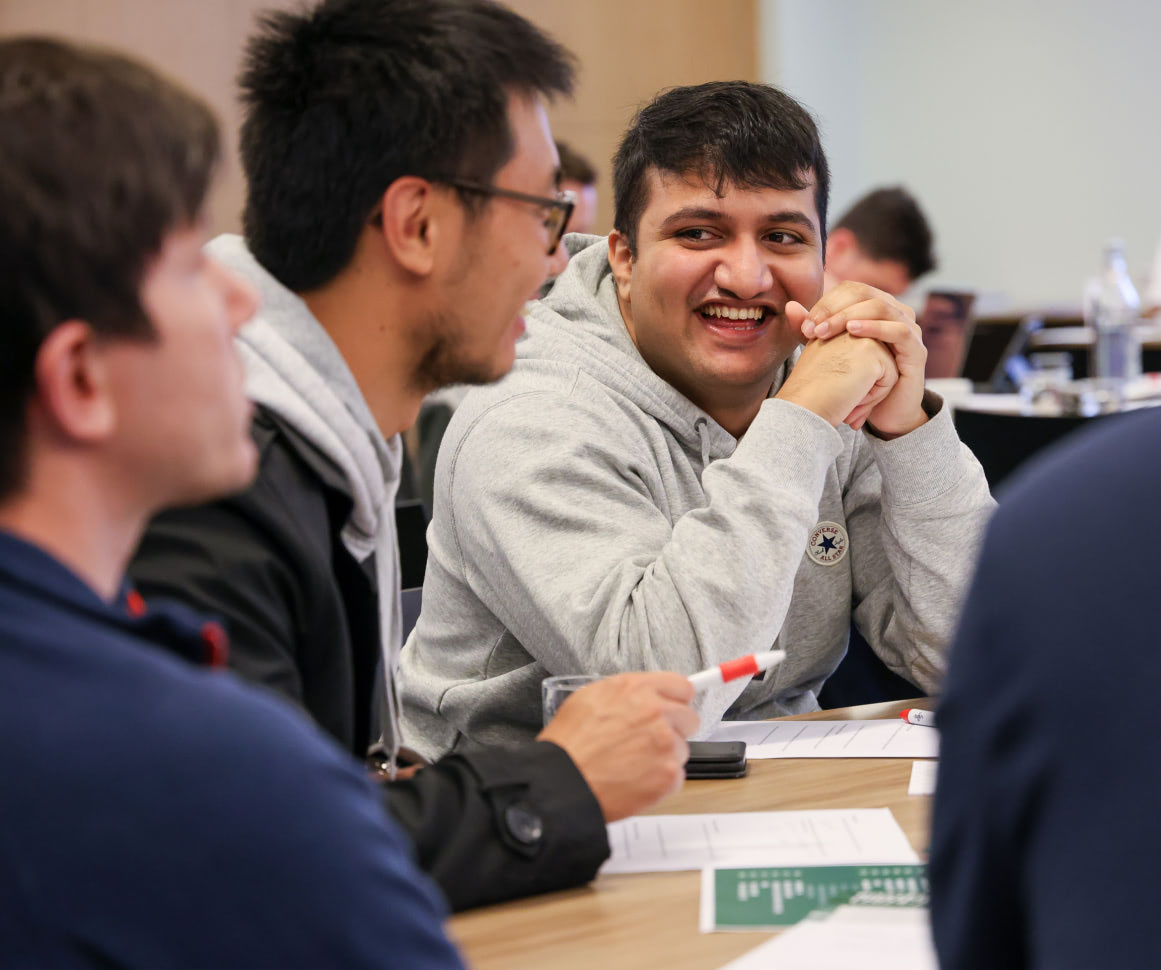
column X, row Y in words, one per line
column 303, row 620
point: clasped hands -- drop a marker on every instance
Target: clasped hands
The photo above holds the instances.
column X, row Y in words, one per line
column 863, row 361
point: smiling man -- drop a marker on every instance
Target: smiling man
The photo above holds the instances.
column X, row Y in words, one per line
column 662, row 483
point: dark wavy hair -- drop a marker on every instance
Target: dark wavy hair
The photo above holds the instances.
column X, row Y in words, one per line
column 725, row 132
column 100, row 157
column 348, row 97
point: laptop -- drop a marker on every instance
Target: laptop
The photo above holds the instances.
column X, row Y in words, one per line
column 995, row 358
column 948, row 328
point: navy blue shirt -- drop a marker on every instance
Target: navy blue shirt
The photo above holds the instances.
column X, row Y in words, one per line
column 154, row 813
column 1046, row 841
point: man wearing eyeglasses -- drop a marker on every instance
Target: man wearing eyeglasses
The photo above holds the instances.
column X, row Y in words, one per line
column 402, row 206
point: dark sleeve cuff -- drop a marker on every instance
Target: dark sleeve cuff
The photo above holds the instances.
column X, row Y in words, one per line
column 500, row 823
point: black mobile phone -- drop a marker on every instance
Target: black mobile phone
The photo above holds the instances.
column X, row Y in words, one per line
column 716, row 759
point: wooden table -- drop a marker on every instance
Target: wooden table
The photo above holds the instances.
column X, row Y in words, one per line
column 650, row 919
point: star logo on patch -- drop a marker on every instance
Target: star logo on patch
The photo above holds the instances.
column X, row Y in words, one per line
column 827, row 544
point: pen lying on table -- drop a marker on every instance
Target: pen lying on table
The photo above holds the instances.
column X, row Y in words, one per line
column 913, row 715
column 733, row 669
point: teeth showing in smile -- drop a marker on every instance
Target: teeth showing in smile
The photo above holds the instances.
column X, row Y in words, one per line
column 752, row 316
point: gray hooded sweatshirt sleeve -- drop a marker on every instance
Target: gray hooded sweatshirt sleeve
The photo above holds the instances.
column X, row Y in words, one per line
column 590, row 518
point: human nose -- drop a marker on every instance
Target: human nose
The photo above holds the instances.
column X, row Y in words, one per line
column 557, row 261
column 241, row 298
column 744, row 270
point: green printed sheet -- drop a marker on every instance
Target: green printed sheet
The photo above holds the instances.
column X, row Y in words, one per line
column 763, row 898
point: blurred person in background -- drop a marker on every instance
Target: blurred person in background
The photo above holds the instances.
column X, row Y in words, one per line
column 578, row 176
column 945, row 324
column 883, row 240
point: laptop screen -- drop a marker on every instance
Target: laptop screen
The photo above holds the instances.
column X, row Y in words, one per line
column 947, row 324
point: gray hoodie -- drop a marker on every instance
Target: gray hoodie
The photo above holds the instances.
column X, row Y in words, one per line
column 590, row 518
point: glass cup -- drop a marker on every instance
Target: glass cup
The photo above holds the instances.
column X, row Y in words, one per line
column 1046, row 381
column 554, row 691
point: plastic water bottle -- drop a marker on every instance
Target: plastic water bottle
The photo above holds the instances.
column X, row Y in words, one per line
column 1112, row 309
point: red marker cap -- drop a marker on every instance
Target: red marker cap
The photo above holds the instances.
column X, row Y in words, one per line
column 732, row 669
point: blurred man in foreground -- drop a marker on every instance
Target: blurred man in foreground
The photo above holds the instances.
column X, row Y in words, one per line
column 153, row 813
column 1045, row 844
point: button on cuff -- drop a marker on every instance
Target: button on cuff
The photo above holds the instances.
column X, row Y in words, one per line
column 524, row 825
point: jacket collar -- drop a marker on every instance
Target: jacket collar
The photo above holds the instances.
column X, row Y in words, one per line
column 168, row 625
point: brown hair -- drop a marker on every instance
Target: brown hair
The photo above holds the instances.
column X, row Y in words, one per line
column 99, row 158
column 889, row 224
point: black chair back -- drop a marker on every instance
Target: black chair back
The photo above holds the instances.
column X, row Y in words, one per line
column 1003, row 442
column 411, row 528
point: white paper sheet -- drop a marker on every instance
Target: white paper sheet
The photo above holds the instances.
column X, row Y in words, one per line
column 922, row 778
column 892, row 738
column 668, row 843
column 868, row 937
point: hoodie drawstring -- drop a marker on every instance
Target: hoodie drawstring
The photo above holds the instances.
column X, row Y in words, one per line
column 701, row 426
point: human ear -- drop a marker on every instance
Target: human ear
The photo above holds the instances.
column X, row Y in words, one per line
column 839, row 243
column 621, row 261
column 412, row 223
column 74, row 390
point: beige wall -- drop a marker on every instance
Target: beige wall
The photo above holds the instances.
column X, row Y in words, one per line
column 628, row 50
column 198, row 42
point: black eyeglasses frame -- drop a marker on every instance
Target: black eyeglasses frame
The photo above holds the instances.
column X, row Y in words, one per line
column 559, row 208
